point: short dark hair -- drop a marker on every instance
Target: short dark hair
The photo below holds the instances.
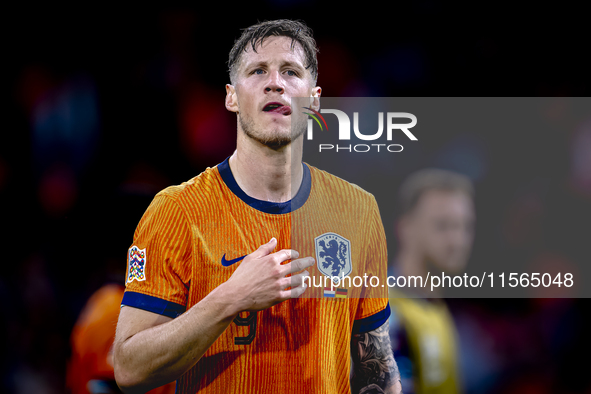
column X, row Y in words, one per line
column 254, row 35
column 429, row 179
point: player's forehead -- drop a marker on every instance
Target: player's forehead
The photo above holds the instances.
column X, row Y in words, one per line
column 274, row 49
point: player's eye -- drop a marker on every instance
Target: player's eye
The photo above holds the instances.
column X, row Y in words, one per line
column 258, row 71
column 291, row 73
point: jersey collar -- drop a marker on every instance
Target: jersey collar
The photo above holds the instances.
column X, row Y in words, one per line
column 276, row 208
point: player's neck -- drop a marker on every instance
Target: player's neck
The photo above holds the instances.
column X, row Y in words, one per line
column 267, row 174
column 410, row 263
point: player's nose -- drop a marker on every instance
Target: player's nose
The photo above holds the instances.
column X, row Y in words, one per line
column 274, row 83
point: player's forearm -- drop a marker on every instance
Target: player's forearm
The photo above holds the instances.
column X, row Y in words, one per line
column 373, row 362
column 163, row 353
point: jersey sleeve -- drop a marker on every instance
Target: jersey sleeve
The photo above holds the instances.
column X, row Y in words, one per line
column 157, row 278
column 373, row 309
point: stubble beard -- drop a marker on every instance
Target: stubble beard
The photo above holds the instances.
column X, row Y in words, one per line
column 275, row 139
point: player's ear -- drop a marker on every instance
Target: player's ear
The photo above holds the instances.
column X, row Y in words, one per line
column 315, row 98
column 231, row 98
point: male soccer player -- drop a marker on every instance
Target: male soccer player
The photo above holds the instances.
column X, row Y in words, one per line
column 211, row 299
column 435, row 233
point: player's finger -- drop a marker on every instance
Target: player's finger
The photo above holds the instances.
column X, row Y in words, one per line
column 265, row 249
column 285, row 254
column 295, row 292
column 299, row 264
column 298, row 280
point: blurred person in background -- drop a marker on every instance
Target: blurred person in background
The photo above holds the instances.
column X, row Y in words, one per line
column 90, row 367
column 435, row 233
column 90, row 370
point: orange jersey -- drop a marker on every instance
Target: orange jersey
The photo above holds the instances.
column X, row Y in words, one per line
column 192, row 238
column 90, row 369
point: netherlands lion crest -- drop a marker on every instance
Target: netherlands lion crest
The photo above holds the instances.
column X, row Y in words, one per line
column 333, row 255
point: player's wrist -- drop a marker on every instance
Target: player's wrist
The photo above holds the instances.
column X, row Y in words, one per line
column 227, row 302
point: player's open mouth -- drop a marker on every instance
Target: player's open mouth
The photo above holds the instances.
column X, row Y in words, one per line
column 278, row 108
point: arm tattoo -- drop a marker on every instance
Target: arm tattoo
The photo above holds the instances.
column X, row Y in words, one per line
column 374, row 368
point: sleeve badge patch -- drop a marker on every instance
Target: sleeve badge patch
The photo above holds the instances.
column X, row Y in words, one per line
column 136, row 264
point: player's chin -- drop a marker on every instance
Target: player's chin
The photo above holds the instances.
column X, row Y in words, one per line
column 277, row 144
column 278, row 140
column 455, row 265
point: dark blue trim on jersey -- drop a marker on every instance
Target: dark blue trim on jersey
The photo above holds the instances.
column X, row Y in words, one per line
column 275, row 208
column 372, row 322
column 152, row 304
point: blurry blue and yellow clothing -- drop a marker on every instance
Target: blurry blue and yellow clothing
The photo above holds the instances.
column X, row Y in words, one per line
column 424, row 343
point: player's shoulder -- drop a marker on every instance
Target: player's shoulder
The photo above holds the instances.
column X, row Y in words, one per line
column 198, row 186
column 338, row 187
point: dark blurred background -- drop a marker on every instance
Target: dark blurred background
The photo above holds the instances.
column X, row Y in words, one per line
column 107, row 105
